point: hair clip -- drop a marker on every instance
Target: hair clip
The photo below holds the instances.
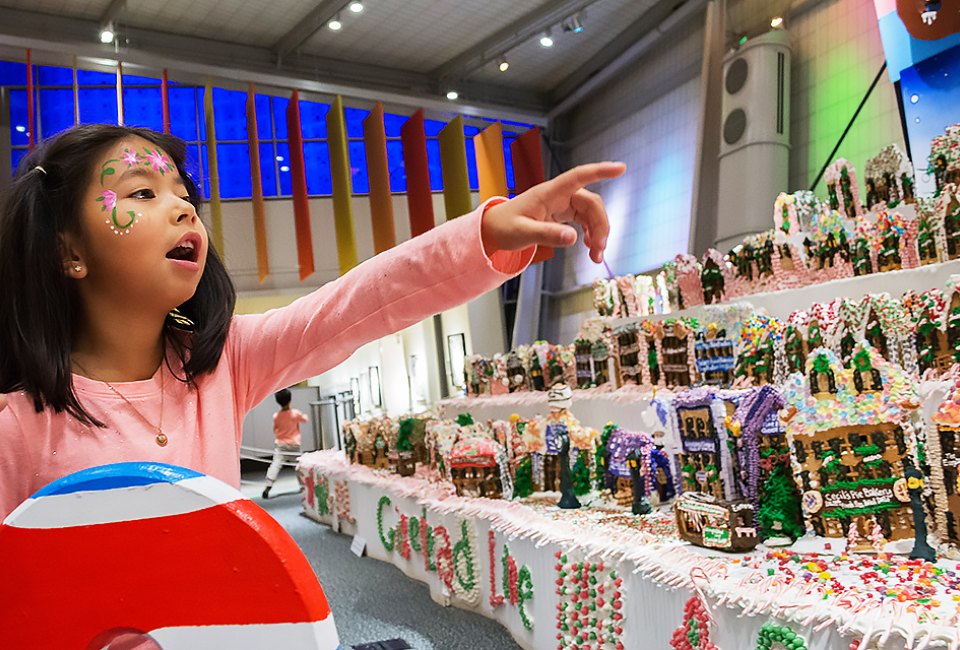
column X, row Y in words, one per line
column 41, row 170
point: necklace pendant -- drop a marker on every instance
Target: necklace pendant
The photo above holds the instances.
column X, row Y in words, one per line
column 162, row 439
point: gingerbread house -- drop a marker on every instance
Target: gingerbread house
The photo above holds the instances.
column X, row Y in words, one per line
column 888, row 179
column 757, row 351
column 943, row 455
column 944, row 160
column 704, row 457
column 850, row 438
column 843, row 191
column 928, row 312
column 676, row 349
column 715, row 356
column 516, row 372
column 688, row 280
column 478, row 467
column 631, row 352
column 713, row 276
column 652, row 465
column 705, row 521
column 931, row 239
column 948, row 208
column 762, row 469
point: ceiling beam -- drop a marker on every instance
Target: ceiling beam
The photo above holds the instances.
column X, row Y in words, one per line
column 112, row 12
column 309, row 25
column 679, row 15
column 550, row 14
column 197, row 59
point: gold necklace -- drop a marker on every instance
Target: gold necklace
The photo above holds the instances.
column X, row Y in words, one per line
column 161, row 438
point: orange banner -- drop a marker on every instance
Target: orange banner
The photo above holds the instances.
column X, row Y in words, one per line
column 491, row 167
column 298, row 182
column 378, row 171
column 256, row 188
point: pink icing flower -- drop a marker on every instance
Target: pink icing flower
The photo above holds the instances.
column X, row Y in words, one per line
column 109, row 198
column 130, row 157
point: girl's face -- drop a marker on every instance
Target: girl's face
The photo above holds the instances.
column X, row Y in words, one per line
column 141, row 239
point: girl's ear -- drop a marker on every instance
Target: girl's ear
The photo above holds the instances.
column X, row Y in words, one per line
column 70, row 252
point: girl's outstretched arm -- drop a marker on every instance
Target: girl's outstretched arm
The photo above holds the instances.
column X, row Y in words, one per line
column 443, row 268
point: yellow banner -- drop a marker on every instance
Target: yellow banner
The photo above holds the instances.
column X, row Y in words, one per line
column 453, row 163
column 378, row 171
column 342, row 192
column 216, row 214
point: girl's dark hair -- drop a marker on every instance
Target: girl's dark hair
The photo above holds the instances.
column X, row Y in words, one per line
column 283, row 396
column 39, row 305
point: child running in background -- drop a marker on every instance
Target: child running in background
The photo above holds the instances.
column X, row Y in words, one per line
column 118, row 340
column 286, row 436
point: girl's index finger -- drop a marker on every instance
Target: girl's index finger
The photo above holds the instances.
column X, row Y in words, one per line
column 583, row 175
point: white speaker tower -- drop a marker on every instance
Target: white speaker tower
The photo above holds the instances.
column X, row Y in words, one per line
column 755, row 139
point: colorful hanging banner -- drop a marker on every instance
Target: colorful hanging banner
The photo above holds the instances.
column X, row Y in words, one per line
column 491, row 167
column 298, row 182
column 453, row 162
column 165, row 101
column 216, row 215
column 413, row 137
column 378, row 171
column 30, row 140
column 120, row 93
column 256, row 188
column 342, row 192
column 527, row 159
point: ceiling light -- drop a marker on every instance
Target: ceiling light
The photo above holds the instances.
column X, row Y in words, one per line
column 356, row 6
column 777, row 22
column 452, row 94
column 335, row 24
column 574, row 23
column 546, row 40
column 107, row 34
column 284, row 168
column 21, row 128
column 279, row 158
column 504, row 64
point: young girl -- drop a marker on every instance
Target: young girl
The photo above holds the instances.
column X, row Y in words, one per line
column 117, row 335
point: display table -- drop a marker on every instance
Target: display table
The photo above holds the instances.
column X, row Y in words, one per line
column 602, row 578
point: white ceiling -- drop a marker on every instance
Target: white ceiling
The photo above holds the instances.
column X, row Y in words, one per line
column 408, row 39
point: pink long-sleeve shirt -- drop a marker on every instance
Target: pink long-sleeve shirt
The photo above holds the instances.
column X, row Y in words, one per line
column 263, row 353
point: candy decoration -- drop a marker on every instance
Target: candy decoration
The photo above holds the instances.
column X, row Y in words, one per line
column 202, row 587
column 779, row 636
column 694, row 632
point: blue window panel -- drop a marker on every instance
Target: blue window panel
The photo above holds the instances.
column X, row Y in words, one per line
column 137, row 80
column 230, row 113
column 354, row 118
column 398, row 173
column 433, row 164
column 433, row 127
column 56, row 111
column 358, row 167
column 192, row 166
column 392, row 123
column 508, row 160
column 280, row 118
column 49, row 75
column 264, row 120
column 18, row 118
column 13, row 74
column 472, row 165
column 313, row 122
column 16, row 156
column 183, row 112
column 142, row 107
column 233, row 167
column 283, row 151
column 98, row 105
column 470, row 131
column 92, row 78
column 268, row 169
column 316, row 158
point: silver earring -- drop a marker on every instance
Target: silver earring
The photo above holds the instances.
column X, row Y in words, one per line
column 77, row 268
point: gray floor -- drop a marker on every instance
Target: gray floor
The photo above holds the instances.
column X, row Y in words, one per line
column 373, row 600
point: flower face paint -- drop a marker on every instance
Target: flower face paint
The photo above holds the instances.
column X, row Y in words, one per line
column 153, row 158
